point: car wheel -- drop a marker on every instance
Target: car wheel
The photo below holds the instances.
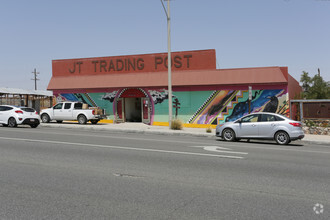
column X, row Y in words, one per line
column 228, row 134
column 34, row 126
column 282, row 138
column 12, row 122
column 82, row 119
column 45, row 118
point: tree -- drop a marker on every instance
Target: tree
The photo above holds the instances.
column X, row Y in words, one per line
column 316, row 87
column 306, row 81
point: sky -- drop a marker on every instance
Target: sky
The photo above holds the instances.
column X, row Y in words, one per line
column 244, row 33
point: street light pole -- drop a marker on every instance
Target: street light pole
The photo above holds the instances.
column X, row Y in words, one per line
column 169, row 60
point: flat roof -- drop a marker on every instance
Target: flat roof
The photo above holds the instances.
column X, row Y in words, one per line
column 16, row 91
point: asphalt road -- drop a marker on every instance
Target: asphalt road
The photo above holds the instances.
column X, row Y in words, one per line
column 48, row 173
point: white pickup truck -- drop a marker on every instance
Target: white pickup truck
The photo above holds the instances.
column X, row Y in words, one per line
column 72, row 111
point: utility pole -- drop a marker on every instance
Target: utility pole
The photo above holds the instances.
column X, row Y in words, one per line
column 35, row 78
column 169, row 60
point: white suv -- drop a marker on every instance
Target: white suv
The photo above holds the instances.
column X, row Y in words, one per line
column 11, row 116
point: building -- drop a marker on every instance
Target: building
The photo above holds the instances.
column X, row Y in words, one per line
column 36, row 99
column 134, row 88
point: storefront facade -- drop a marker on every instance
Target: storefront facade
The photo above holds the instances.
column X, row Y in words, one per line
column 134, row 88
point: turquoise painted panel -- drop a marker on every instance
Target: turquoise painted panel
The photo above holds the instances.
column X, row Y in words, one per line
column 104, row 104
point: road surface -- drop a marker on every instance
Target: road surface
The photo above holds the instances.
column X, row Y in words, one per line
column 48, row 173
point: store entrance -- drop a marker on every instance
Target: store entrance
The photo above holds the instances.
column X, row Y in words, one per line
column 133, row 106
column 133, row 111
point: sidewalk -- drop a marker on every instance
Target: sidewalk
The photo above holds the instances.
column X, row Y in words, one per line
column 148, row 129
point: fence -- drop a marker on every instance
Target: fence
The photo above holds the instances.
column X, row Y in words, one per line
column 310, row 109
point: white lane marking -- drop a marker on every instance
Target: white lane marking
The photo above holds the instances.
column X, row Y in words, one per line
column 123, row 148
column 222, row 150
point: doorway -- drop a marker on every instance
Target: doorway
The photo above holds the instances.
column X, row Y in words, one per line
column 133, row 111
column 133, row 105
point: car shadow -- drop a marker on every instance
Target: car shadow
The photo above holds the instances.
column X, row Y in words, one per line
column 72, row 123
column 19, row 127
column 269, row 142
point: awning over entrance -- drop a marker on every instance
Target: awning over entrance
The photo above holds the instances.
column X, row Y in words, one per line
column 132, row 93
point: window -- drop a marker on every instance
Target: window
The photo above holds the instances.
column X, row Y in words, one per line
column 58, row 106
column 28, row 109
column 78, row 105
column 67, row 105
column 267, row 117
column 250, row 118
column 279, row 118
column 5, row 108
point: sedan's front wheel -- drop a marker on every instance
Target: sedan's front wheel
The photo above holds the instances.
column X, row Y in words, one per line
column 228, row 134
column 282, row 138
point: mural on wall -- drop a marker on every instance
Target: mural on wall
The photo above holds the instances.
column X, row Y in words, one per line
column 229, row 105
column 158, row 96
column 262, row 101
column 211, row 107
column 76, row 97
column 92, row 99
column 110, row 96
column 218, row 102
column 159, row 102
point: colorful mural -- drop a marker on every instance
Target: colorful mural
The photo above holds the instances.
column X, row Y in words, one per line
column 196, row 107
column 262, row 101
column 229, row 105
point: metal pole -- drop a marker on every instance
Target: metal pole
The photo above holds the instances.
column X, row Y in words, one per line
column 250, row 98
column 169, row 64
column 301, row 112
column 35, row 78
column 169, row 60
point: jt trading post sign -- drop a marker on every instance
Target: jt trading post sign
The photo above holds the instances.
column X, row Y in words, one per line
column 192, row 60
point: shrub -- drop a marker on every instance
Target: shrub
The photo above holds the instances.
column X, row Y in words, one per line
column 325, row 124
column 209, row 129
column 310, row 123
column 176, row 124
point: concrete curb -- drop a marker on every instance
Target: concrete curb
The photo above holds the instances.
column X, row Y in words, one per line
column 316, row 142
column 129, row 130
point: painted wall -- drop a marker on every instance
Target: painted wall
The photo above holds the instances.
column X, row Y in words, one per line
column 195, row 107
column 294, row 88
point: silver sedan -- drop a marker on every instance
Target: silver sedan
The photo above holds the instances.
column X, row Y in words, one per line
column 262, row 125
